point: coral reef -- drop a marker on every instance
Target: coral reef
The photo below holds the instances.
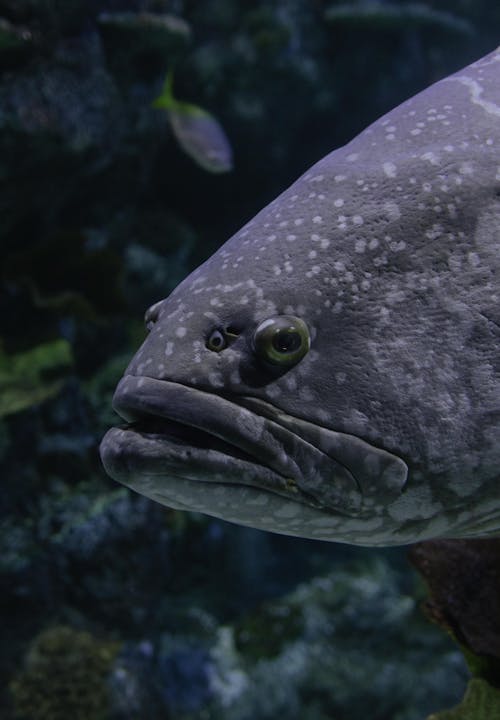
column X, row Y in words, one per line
column 324, row 650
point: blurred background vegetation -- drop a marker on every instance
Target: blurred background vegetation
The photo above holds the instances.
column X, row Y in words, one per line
column 113, row 607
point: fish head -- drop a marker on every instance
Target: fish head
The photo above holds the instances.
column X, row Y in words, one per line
column 312, row 377
column 241, row 402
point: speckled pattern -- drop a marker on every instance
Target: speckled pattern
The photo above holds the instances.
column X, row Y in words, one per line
column 387, row 430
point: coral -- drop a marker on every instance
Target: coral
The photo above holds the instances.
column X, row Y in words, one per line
column 334, row 646
column 64, row 677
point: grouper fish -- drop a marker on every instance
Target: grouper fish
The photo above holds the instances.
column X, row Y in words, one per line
column 333, row 370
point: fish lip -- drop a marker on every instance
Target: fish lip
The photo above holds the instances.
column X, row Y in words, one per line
column 141, row 402
column 251, row 438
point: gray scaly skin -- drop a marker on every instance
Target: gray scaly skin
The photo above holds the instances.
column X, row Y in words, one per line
column 387, row 430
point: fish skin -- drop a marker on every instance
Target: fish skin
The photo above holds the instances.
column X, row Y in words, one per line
column 386, row 431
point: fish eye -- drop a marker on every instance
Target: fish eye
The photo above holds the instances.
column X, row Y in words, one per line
column 216, row 341
column 282, row 340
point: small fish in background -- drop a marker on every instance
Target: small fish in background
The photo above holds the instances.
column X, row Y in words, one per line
column 198, row 133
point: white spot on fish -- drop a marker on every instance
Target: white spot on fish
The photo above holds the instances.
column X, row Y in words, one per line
column 434, row 232
column 392, row 210
column 216, row 379
column 474, row 259
column 389, row 169
column 315, row 270
column 466, row 169
column 476, row 90
column 430, row 157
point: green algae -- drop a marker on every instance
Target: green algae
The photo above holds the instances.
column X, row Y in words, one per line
column 481, row 702
column 28, row 378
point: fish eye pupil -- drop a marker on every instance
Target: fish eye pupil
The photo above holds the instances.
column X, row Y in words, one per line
column 286, row 341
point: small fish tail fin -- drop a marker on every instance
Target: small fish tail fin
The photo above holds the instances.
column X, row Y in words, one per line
column 165, row 99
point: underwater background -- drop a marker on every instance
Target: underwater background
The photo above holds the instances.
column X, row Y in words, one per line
column 113, row 607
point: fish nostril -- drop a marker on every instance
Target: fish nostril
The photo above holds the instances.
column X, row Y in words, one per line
column 151, row 315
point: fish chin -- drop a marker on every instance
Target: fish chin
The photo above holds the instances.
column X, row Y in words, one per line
column 197, row 450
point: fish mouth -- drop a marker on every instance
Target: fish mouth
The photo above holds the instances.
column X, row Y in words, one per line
column 176, row 432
